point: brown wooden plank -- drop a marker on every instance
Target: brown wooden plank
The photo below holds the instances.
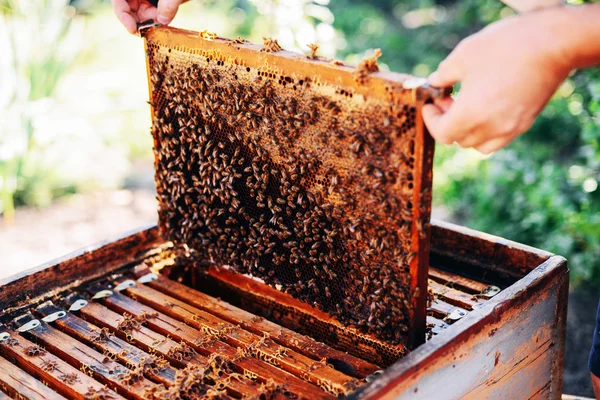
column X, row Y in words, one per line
column 492, row 253
column 115, row 348
column 82, row 265
column 266, row 301
column 206, row 345
column 130, row 329
column 436, row 326
column 453, row 296
column 545, row 393
column 457, row 281
column 48, row 368
column 20, row 384
column 89, row 361
column 283, row 336
column 521, row 381
column 440, row 309
column 314, row 371
column 504, row 333
column 159, row 344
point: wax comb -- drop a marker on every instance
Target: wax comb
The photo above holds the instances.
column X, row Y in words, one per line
column 308, row 174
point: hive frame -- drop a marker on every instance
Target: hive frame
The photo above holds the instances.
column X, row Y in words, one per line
column 378, row 84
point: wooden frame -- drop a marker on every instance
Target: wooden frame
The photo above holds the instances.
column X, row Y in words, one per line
column 511, row 347
column 330, row 79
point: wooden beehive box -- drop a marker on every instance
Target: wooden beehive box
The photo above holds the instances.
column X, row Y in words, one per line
column 497, row 328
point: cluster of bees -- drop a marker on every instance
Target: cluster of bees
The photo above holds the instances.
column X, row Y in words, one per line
column 193, row 382
column 291, row 182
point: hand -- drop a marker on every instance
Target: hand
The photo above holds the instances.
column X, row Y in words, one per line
column 508, row 72
column 130, row 12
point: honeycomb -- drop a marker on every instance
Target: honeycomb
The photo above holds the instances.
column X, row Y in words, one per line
column 307, row 174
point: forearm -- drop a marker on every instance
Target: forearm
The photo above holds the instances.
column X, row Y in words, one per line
column 575, row 31
column 596, row 385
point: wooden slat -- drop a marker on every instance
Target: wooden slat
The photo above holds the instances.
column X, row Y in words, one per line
column 286, row 337
column 436, row 325
column 159, row 344
column 59, row 375
column 458, row 281
column 453, row 296
column 20, row 384
column 318, row 373
column 440, row 309
column 89, row 361
column 82, row 265
column 206, row 345
column 141, row 336
column 114, row 347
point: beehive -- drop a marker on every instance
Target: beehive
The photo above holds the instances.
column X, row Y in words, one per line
column 496, row 329
column 313, row 176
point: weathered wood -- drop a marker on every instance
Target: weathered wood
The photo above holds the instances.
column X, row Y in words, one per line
column 113, row 347
column 74, row 268
column 302, row 317
column 437, row 326
column 455, row 249
column 457, row 246
column 457, row 281
column 89, row 361
column 264, row 348
column 560, row 335
column 206, row 345
column 454, row 296
column 46, row 367
column 156, row 343
column 283, row 336
column 523, row 381
column 509, row 332
column 130, row 329
column 441, row 309
column 20, row 384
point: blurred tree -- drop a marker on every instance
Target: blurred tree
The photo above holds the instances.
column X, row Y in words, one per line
column 33, row 43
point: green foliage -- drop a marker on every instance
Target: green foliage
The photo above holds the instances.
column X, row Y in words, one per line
column 35, row 34
column 542, row 189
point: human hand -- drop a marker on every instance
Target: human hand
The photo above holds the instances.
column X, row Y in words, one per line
column 130, row 12
column 508, row 72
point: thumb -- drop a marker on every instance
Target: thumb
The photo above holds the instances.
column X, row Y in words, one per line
column 447, row 74
column 167, row 10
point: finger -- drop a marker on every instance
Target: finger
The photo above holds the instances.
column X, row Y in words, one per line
column 134, row 5
column 167, row 10
column 474, row 140
column 444, row 103
column 431, row 116
column 447, row 127
column 447, row 74
column 147, row 11
column 123, row 12
column 493, row 145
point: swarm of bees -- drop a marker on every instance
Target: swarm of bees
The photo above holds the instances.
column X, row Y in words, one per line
column 279, row 178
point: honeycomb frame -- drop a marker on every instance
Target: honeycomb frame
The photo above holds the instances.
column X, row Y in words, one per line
column 248, row 114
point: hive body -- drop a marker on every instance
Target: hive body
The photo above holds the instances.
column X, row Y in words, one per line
column 310, row 176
